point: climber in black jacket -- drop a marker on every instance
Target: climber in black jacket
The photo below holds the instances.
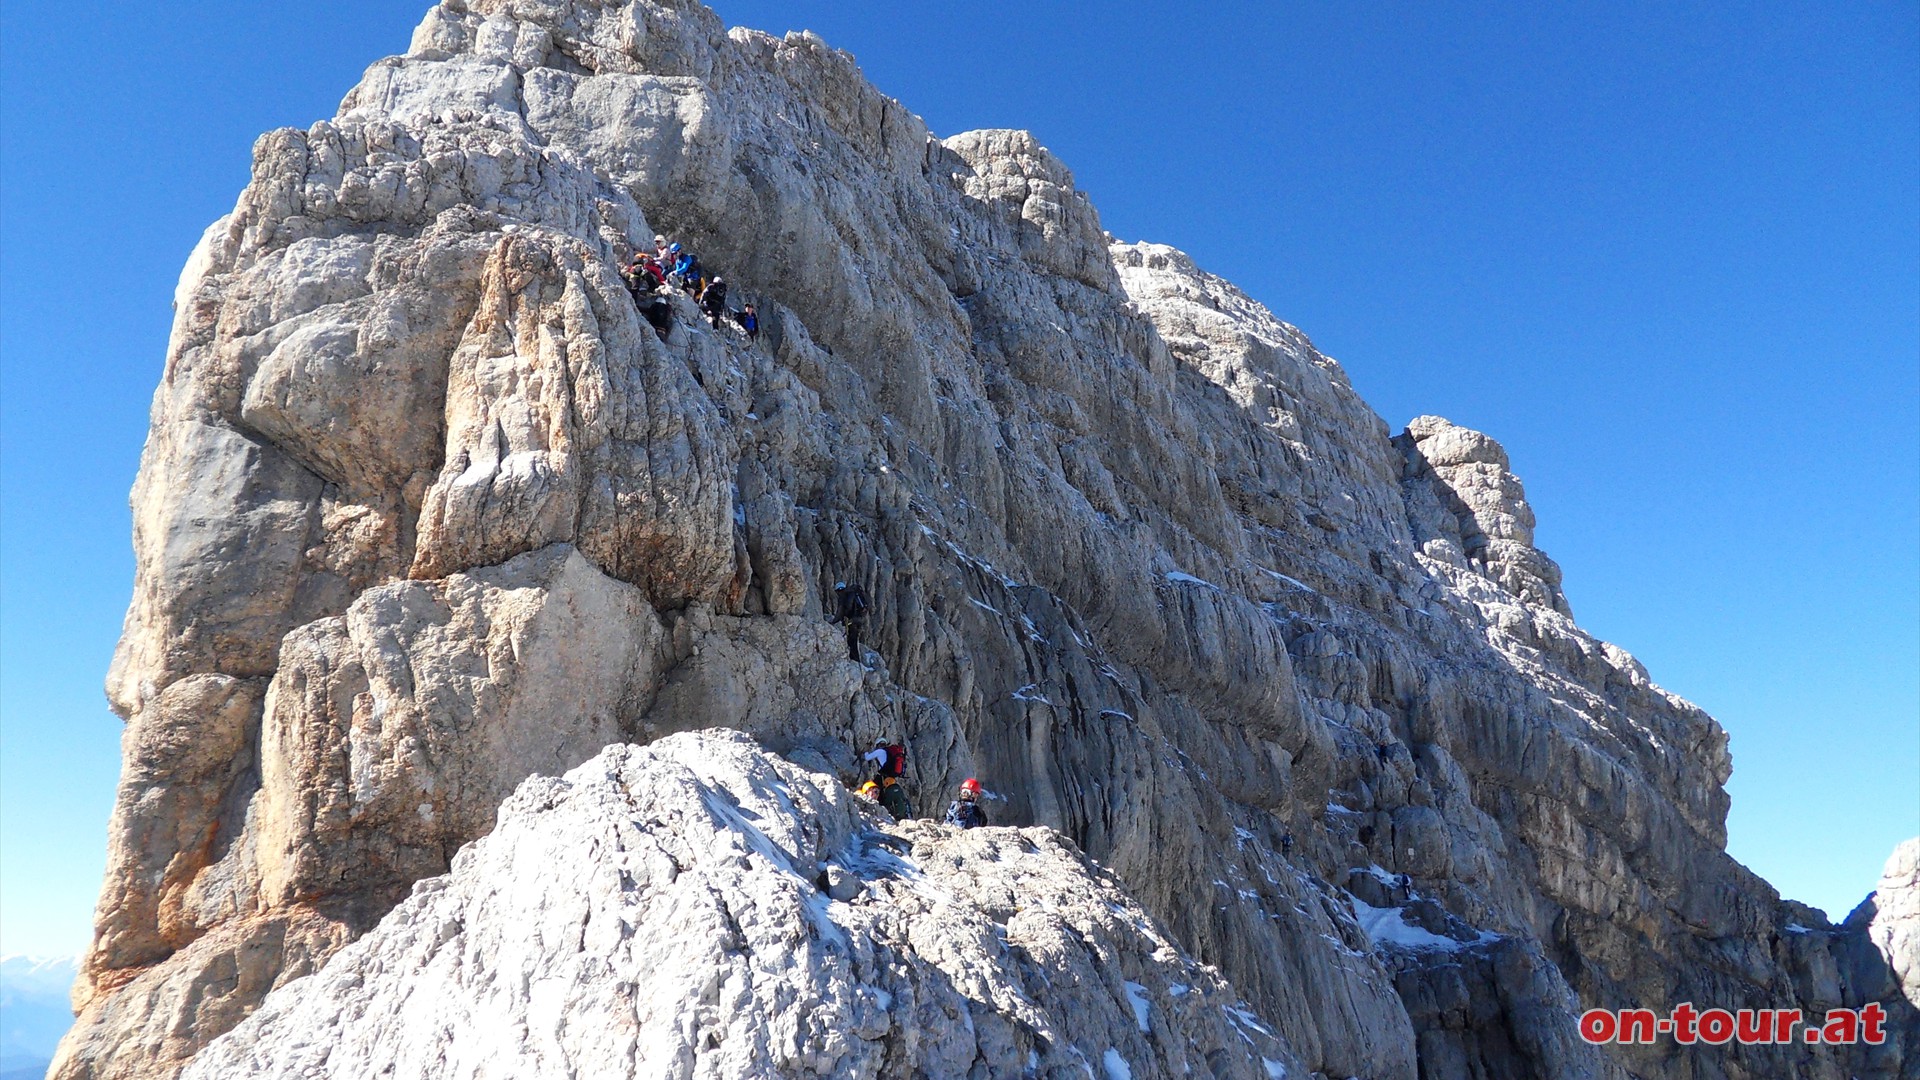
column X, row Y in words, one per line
column 850, row 607
column 714, row 301
column 966, row 810
column 659, row 315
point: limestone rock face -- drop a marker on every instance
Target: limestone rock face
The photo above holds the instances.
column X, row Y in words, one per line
column 699, row 908
column 1896, row 917
column 1486, row 522
column 426, row 508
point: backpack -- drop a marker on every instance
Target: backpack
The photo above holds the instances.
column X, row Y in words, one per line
column 659, row 315
column 896, row 765
column 853, row 605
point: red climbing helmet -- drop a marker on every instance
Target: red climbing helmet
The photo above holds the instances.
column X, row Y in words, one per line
column 971, row 786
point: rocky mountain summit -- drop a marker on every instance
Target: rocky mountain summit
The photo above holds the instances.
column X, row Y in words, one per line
column 427, row 509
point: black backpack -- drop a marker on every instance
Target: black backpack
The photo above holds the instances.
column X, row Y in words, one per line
column 659, row 315
column 853, row 604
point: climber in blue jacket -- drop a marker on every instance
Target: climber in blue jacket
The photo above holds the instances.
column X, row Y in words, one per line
column 686, row 269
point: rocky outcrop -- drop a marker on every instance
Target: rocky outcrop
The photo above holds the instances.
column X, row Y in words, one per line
column 1894, row 914
column 1486, row 524
column 699, row 908
column 427, row 508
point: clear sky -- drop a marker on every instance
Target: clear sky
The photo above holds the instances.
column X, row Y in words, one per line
column 1669, row 254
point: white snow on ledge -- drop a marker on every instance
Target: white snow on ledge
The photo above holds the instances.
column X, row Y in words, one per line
column 1379, row 874
column 1284, row 579
column 1389, row 926
column 1182, row 576
column 1137, row 997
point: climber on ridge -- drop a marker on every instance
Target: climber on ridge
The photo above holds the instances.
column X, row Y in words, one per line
column 635, row 276
column 643, row 279
column 889, row 761
column 672, row 264
column 643, row 276
column 714, row 300
column 965, row 811
column 659, row 315
column 686, row 269
column 850, row 607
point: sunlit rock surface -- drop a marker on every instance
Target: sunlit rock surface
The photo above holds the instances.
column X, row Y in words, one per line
column 700, row 908
column 426, row 508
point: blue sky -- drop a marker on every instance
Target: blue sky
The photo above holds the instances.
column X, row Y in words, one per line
column 1669, row 254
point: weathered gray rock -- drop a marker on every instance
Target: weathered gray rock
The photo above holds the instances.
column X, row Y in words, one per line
column 1486, row 520
column 426, row 509
column 1896, row 917
column 659, row 912
column 1496, row 1009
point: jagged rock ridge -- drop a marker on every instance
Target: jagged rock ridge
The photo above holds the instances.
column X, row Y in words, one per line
column 699, row 908
column 426, row 508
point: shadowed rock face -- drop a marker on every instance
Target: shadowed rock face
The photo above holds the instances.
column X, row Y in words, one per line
column 427, row 508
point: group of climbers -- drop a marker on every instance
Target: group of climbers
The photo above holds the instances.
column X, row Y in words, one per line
column 887, row 787
column 889, row 759
column 671, row 266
